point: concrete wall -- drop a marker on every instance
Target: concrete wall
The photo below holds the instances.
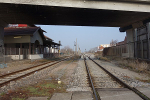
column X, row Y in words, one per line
column 16, row 57
column 11, row 39
column 36, row 36
column 125, row 54
column 35, row 56
column 51, row 50
column 5, row 60
column 56, row 50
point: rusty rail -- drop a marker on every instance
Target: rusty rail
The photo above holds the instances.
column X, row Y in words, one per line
column 18, row 77
column 144, row 97
column 91, row 81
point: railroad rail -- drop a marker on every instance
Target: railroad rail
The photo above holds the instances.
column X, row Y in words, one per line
column 96, row 95
column 7, row 78
column 91, row 81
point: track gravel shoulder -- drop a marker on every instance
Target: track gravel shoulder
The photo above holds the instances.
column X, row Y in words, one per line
column 126, row 75
column 79, row 80
column 19, row 65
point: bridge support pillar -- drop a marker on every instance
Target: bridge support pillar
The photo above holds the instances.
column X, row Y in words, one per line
column 148, row 27
column 2, row 25
column 1, row 41
column 130, row 43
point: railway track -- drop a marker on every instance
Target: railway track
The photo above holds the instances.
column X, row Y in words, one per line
column 99, row 77
column 7, row 78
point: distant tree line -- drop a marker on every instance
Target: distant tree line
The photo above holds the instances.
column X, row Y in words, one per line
column 92, row 50
column 66, row 50
column 113, row 42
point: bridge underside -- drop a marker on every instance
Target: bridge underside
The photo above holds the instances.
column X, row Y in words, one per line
column 52, row 15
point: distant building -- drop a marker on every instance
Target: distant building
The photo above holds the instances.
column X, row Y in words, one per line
column 102, row 46
column 105, row 45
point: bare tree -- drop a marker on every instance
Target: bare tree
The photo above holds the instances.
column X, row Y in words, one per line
column 113, row 42
column 92, row 50
column 67, row 50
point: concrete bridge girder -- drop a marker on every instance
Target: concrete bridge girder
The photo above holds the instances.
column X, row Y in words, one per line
column 52, row 15
column 123, row 5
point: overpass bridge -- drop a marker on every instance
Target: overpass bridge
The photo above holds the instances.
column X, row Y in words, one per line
column 126, row 14
column 111, row 13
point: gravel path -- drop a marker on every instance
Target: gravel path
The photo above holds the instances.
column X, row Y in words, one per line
column 100, row 78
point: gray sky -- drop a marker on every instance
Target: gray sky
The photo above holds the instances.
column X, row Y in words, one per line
column 87, row 37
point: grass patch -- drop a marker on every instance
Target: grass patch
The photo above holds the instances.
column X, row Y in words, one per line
column 135, row 65
column 68, row 61
column 18, row 99
column 104, row 58
column 2, row 94
column 99, row 55
column 44, row 60
column 44, row 88
column 131, row 64
column 142, row 80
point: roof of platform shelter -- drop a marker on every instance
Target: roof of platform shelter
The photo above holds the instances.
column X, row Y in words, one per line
column 24, row 29
column 47, row 38
column 50, row 43
column 9, row 31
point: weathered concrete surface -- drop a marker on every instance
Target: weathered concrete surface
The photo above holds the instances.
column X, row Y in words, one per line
column 145, row 91
column 117, row 94
column 74, row 12
column 126, row 5
column 37, row 98
column 61, row 96
column 79, row 95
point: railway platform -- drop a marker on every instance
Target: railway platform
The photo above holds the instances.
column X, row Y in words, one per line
column 104, row 93
column 78, row 95
column 117, row 94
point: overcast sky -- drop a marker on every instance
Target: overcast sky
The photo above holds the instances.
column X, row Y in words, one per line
column 87, row 37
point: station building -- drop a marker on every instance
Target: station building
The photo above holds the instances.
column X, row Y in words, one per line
column 28, row 42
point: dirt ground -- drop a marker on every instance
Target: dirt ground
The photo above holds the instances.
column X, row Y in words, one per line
column 55, row 79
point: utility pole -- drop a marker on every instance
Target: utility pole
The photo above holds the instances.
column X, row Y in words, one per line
column 76, row 46
column 59, row 48
column 78, row 49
